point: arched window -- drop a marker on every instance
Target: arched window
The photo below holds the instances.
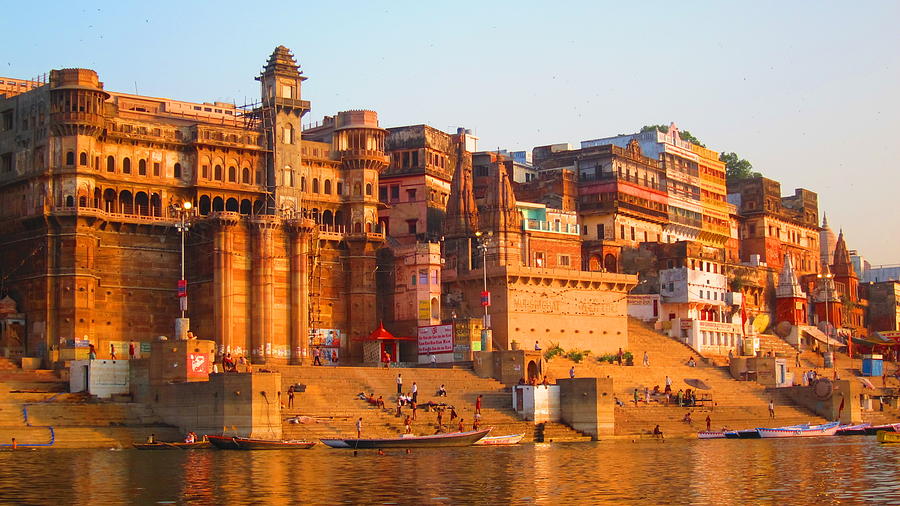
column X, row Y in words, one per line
column 142, row 167
column 82, row 158
column 245, row 177
column 70, row 158
column 369, row 189
column 357, row 189
column 70, row 201
column 126, row 166
column 110, row 164
column 232, row 174
column 327, row 187
column 82, row 201
column 217, row 172
column 315, row 185
column 177, row 170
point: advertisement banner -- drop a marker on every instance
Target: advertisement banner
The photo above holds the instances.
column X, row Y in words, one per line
column 435, row 339
column 424, row 310
column 198, row 364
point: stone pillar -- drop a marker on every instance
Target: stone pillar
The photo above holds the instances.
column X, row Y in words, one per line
column 301, row 231
column 361, row 319
column 262, row 332
column 223, row 279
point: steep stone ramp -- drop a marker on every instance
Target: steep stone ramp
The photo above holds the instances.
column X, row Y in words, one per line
column 736, row 404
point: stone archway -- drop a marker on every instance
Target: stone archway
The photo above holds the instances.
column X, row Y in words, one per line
column 609, row 263
column 534, row 372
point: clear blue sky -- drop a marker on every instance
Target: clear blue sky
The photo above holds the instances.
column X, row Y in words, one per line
column 807, row 91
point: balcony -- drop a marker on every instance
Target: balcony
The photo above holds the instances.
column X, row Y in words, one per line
column 554, row 227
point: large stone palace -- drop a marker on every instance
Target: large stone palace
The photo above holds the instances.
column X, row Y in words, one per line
column 290, row 242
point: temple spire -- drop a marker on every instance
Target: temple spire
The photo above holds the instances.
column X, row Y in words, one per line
column 842, row 265
column 462, row 213
column 788, row 286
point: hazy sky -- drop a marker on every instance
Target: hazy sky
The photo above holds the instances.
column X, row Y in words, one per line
column 807, row 91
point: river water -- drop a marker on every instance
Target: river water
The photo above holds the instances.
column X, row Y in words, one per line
column 826, row 470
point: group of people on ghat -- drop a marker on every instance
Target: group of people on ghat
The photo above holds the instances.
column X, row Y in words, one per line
column 407, row 408
column 681, row 398
column 229, row 364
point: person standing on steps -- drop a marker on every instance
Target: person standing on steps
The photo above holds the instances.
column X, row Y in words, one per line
column 291, row 396
column 415, row 392
column 408, row 426
column 772, row 408
column 112, row 351
column 359, row 428
column 620, row 355
column 478, row 404
column 572, row 372
column 399, row 384
column 708, row 423
column 646, row 359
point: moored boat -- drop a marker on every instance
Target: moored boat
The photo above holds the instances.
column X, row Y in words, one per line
column 510, row 439
column 223, row 442
column 888, row 427
column 269, row 444
column 826, row 429
column 742, row 434
column 434, row 441
column 853, row 430
column 711, row 434
column 885, row 436
column 162, row 445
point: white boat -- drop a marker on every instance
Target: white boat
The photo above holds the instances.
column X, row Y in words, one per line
column 711, row 434
column 510, row 439
column 826, row 429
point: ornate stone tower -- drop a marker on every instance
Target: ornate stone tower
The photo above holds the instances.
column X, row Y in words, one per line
column 281, row 112
column 826, row 242
column 461, row 220
column 358, row 142
column 790, row 300
column 501, row 217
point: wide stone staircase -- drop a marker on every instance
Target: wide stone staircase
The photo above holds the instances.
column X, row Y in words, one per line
column 328, row 404
column 736, row 404
column 35, row 410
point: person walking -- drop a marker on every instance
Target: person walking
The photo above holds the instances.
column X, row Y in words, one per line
column 291, row 396
column 399, row 383
column 131, row 350
column 413, row 405
column 317, row 357
column 772, row 408
column 92, row 352
column 572, row 372
column 112, row 351
column 408, row 425
column 359, row 428
column 415, row 392
column 646, row 359
column 478, row 404
column 433, row 360
column 399, row 405
column 708, row 423
column 619, row 356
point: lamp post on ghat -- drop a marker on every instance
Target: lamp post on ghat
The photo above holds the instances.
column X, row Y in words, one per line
column 486, row 334
column 828, row 325
column 183, row 211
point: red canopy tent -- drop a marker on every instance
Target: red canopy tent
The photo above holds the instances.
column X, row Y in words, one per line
column 381, row 342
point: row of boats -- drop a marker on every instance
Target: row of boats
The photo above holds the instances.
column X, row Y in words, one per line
column 469, row 438
column 804, row 430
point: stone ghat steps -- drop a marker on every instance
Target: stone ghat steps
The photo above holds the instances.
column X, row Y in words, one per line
column 777, row 345
column 8, row 364
column 64, row 414
column 35, row 376
column 641, row 420
column 11, row 415
column 551, row 432
column 88, row 437
column 330, row 395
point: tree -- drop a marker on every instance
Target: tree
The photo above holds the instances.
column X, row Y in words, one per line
column 736, row 168
column 685, row 135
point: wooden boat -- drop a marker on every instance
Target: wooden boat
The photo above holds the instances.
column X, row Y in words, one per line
column 435, row 441
column 826, row 429
column 742, row 434
column 853, row 430
column 711, row 434
column 269, row 444
column 223, row 442
column 885, row 436
column 162, row 445
column 511, row 439
column 889, row 427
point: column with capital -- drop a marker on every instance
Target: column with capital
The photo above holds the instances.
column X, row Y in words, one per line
column 301, row 231
column 223, row 280
column 262, row 330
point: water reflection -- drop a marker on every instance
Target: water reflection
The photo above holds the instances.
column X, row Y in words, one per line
column 836, row 470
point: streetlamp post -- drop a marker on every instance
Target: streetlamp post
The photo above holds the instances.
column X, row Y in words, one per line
column 828, row 325
column 487, row 338
column 183, row 210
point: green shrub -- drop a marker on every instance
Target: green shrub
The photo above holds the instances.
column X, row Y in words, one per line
column 577, row 355
column 553, row 351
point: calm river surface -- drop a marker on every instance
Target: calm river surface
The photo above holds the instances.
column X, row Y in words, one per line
column 828, row 470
